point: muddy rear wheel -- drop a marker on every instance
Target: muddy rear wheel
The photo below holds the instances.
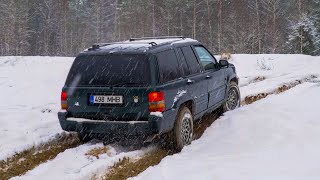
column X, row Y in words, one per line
column 183, row 130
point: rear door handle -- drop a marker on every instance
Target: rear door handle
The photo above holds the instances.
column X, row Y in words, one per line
column 189, row 81
column 208, row 77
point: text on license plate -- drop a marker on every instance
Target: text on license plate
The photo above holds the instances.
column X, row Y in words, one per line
column 106, row 99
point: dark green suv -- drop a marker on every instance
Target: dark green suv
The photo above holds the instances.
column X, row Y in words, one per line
column 145, row 87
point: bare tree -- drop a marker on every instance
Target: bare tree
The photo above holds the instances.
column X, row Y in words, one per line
column 65, row 27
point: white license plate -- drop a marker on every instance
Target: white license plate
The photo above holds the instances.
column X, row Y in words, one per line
column 106, row 99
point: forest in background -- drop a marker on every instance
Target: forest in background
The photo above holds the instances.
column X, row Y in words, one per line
column 67, row 27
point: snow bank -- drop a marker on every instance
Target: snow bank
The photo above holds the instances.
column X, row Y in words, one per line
column 30, row 98
column 283, row 69
column 275, row 138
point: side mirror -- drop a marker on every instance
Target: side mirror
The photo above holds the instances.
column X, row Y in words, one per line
column 223, row 63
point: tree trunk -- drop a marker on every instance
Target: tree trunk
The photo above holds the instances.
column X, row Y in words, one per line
column 194, row 20
column 153, row 20
column 116, row 22
column 210, row 26
column 301, row 29
column 220, row 26
column 258, row 26
column 274, row 34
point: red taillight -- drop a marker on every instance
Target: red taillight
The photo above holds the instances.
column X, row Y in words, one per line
column 156, row 101
column 155, row 96
column 63, row 96
column 64, row 100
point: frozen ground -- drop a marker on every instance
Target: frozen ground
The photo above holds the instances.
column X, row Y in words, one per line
column 30, row 98
column 75, row 164
column 273, row 138
column 277, row 69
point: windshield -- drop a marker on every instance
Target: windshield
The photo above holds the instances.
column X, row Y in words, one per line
column 109, row 70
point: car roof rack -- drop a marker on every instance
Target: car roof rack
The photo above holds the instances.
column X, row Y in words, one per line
column 157, row 37
column 98, row 45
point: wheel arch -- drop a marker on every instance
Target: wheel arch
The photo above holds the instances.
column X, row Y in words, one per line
column 234, row 78
column 189, row 104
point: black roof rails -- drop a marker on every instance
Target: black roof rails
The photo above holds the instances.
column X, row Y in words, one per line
column 159, row 37
column 98, row 45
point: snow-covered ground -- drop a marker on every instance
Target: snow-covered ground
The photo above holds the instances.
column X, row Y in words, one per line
column 30, row 99
column 277, row 69
column 273, row 138
column 75, row 164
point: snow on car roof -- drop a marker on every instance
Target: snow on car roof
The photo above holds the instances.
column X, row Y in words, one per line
column 157, row 41
column 167, row 40
column 186, row 40
column 123, row 46
column 143, row 44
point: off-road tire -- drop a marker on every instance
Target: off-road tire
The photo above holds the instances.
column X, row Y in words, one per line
column 233, row 97
column 182, row 134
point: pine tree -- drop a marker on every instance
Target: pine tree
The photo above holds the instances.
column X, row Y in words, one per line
column 305, row 37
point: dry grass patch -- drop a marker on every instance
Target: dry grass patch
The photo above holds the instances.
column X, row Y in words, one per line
column 98, row 151
column 254, row 80
column 28, row 159
column 282, row 88
column 257, row 79
column 126, row 167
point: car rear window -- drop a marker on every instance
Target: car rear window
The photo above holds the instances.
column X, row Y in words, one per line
column 109, row 70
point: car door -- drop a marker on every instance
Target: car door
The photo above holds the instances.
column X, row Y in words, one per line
column 196, row 84
column 215, row 76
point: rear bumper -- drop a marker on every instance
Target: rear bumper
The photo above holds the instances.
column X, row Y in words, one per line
column 154, row 125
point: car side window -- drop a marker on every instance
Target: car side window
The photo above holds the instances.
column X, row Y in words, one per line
column 168, row 66
column 205, row 57
column 192, row 61
column 183, row 66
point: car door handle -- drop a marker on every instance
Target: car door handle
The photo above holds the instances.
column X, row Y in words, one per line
column 189, row 81
column 208, row 77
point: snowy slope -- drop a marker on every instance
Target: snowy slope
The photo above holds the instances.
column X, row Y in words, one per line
column 30, row 93
column 275, row 138
column 282, row 69
column 30, row 98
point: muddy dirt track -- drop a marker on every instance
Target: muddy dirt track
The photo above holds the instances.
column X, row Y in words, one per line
column 28, row 159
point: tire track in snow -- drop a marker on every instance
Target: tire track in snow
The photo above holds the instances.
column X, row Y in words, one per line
column 286, row 86
column 253, row 80
column 21, row 162
column 82, row 162
column 132, row 167
column 129, row 168
column 28, row 159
